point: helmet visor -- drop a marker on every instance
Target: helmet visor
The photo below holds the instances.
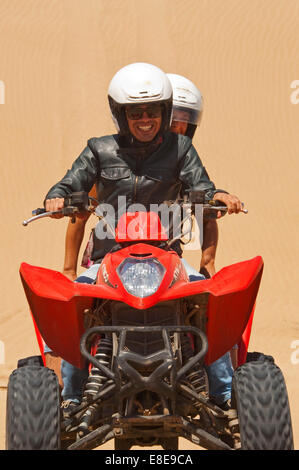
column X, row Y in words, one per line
column 182, row 114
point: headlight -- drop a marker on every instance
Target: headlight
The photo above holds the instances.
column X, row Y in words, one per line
column 141, row 278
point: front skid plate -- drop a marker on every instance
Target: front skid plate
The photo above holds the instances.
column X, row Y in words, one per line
column 164, row 426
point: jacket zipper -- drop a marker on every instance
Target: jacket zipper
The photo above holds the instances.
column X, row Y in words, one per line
column 135, row 188
column 138, row 164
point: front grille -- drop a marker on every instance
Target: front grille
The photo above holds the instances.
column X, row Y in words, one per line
column 162, row 314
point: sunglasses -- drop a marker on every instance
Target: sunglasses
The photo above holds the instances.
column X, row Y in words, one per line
column 136, row 112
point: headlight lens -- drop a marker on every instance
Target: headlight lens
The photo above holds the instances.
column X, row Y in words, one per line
column 141, row 278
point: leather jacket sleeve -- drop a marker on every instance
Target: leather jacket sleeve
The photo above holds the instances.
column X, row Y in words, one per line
column 81, row 177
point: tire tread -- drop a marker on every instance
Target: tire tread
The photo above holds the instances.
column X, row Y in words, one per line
column 33, row 410
column 260, row 395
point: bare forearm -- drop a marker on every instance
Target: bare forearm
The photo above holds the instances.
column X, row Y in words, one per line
column 73, row 241
column 209, row 247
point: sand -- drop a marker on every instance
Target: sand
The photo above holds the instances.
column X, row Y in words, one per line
column 57, row 59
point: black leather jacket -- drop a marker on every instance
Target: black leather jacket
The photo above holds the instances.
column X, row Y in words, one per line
column 172, row 168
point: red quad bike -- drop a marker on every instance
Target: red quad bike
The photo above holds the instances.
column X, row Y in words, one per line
column 146, row 333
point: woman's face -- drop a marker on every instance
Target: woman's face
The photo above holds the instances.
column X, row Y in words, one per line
column 179, row 127
column 180, row 120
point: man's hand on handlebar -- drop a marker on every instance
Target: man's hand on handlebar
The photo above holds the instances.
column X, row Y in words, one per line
column 77, row 204
column 53, row 205
column 233, row 203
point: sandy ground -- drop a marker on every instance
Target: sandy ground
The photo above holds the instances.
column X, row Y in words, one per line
column 57, row 59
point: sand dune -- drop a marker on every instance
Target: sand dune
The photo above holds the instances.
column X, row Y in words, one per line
column 57, row 59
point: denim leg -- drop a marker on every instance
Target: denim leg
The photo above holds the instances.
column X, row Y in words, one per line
column 89, row 276
column 220, row 372
column 74, row 378
column 73, row 381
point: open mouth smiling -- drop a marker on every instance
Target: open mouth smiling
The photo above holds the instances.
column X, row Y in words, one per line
column 145, row 127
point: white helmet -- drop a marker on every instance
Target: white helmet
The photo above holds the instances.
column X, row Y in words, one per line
column 186, row 96
column 139, row 83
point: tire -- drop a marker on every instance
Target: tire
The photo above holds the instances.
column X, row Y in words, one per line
column 257, row 356
column 260, row 396
column 31, row 361
column 33, row 409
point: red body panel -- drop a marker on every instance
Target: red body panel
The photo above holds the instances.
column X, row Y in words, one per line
column 57, row 304
column 243, row 344
column 137, row 226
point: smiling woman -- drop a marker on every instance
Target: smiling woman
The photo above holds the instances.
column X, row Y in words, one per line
column 295, row 94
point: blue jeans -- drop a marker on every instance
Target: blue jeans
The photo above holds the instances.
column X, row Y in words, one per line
column 73, row 381
column 219, row 373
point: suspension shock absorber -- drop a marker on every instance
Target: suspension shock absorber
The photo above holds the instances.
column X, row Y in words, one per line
column 197, row 377
column 95, row 382
column 96, row 378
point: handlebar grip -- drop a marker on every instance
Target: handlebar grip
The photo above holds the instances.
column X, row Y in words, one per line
column 39, row 211
column 216, row 202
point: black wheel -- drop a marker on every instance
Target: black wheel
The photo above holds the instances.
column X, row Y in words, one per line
column 257, row 356
column 31, row 361
column 33, row 409
column 260, row 396
column 123, row 444
column 170, row 443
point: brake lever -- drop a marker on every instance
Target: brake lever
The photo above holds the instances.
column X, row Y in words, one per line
column 39, row 213
column 39, row 216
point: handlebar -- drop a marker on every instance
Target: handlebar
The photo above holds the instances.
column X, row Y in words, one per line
column 79, row 202
column 216, row 207
column 212, row 205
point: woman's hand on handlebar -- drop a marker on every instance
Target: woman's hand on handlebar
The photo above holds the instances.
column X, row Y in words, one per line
column 233, row 203
column 54, row 205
